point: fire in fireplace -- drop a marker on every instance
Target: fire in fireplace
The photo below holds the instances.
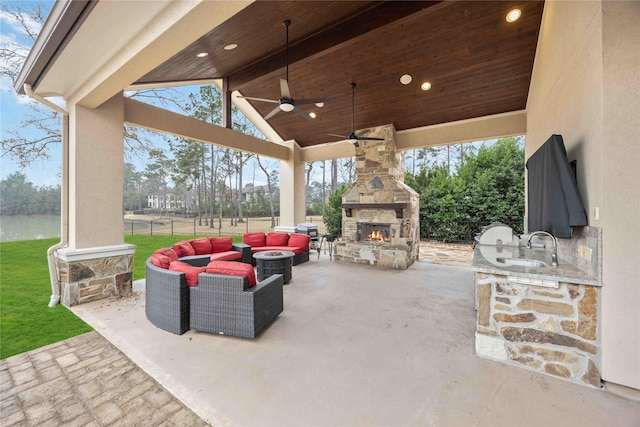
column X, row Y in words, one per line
column 374, row 232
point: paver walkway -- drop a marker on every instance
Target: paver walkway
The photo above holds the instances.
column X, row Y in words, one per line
column 84, row 381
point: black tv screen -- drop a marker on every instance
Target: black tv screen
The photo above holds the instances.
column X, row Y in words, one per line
column 554, row 202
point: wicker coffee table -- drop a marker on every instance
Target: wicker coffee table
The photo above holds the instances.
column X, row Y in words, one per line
column 274, row 262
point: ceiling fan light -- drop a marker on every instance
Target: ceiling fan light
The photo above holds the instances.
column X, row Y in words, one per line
column 286, row 107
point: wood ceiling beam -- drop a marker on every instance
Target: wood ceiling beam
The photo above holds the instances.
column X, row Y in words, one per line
column 369, row 20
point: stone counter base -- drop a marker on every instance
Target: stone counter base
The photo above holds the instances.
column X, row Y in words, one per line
column 551, row 331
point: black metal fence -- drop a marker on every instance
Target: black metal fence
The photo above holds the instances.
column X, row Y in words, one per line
column 144, row 225
column 455, row 232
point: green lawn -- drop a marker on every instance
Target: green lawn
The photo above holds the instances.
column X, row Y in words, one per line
column 26, row 322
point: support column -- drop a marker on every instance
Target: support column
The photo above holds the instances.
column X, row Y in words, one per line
column 292, row 188
column 96, row 263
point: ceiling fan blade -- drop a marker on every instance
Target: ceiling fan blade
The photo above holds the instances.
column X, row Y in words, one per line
column 312, row 101
column 273, row 101
column 364, row 138
column 301, row 113
column 339, row 136
column 284, row 89
column 272, row 113
column 360, row 138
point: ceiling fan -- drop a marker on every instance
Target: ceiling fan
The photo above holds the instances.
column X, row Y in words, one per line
column 353, row 137
column 286, row 102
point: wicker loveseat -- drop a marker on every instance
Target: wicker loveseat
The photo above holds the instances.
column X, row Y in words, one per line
column 297, row 243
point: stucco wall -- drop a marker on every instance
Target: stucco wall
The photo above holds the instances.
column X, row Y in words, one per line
column 96, row 175
column 584, row 65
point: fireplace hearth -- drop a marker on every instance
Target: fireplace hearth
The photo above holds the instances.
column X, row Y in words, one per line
column 380, row 216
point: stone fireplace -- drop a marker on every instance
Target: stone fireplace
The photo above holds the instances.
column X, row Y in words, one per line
column 380, row 213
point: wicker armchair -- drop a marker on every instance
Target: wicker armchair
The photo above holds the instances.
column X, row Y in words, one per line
column 224, row 304
column 167, row 299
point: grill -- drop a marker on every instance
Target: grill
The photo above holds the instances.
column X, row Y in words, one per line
column 312, row 231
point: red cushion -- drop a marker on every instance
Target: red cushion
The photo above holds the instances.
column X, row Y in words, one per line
column 226, row 256
column 254, row 239
column 297, row 240
column 277, row 239
column 201, row 246
column 184, row 249
column 167, row 252
column 161, row 261
column 190, row 272
column 233, row 269
column 221, row 244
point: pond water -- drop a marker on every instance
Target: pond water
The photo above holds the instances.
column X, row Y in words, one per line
column 28, row 227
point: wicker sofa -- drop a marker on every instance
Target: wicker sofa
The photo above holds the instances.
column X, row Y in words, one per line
column 173, row 287
column 297, row 243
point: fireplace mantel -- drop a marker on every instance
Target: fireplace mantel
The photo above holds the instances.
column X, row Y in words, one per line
column 397, row 206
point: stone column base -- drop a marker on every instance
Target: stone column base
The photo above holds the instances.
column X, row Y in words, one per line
column 94, row 273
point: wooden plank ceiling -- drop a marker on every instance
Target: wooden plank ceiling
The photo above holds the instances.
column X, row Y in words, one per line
column 477, row 63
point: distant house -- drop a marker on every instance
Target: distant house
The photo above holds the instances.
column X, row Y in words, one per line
column 165, row 201
column 249, row 192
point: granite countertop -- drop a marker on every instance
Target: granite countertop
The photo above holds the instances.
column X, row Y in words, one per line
column 484, row 260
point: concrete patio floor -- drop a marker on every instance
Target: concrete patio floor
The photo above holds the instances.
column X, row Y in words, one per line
column 355, row 346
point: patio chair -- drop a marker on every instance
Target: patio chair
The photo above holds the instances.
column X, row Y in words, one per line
column 167, row 299
column 225, row 304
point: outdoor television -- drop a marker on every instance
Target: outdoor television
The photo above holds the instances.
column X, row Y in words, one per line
column 554, row 202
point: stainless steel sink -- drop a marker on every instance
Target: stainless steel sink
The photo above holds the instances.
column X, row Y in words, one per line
column 522, row 262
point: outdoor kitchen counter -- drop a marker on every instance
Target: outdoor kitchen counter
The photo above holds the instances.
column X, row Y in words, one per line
column 543, row 319
column 484, row 261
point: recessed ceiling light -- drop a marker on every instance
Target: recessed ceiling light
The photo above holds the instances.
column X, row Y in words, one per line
column 319, row 104
column 202, row 54
column 425, row 86
column 513, row 15
column 312, row 115
column 230, row 46
column 406, row 79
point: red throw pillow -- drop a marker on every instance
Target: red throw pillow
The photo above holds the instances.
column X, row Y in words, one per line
column 254, row 239
column 167, row 252
column 221, row 244
column 277, row 239
column 184, row 249
column 233, row 269
column 201, row 246
column 297, row 240
column 161, row 261
column 190, row 272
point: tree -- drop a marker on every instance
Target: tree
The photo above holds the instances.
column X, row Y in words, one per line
column 494, row 179
column 18, row 196
column 270, row 182
column 487, row 186
column 34, row 137
column 332, row 214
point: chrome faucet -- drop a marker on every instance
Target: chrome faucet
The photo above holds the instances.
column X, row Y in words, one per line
column 554, row 254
